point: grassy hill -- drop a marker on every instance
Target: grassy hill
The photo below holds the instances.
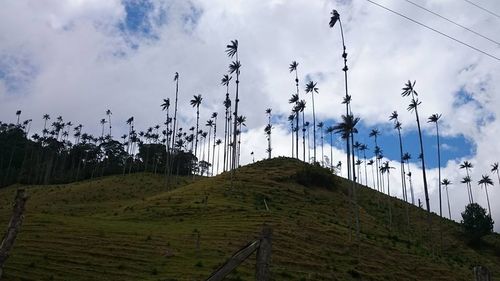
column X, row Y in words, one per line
column 134, row 228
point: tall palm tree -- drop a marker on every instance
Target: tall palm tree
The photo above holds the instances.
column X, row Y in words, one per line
column 240, row 121
column 45, row 118
column 294, row 100
column 330, row 130
column 108, row 113
column 386, row 169
column 434, row 118
column 227, row 123
column 214, row 118
column 468, row 165
column 311, row 88
column 363, row 147
column 494, row 168
column 291, row 118
column 397, row 126
column 406, row 158
column 306, row 126
column 18, row 114
column 174, row 125
column 408, row 90
column 447, row 182
column 320, row 127
column 234, row 67
column 374, row 133
column 293, row 68
column 267, row 130
column 300, row 107
column 485, row 181
column 467, row 180
column 218, row 142
column 347, row 128
column 165, row 107
column 196, row 102
column 370, row 163
column 103, row 122
column 210, row 125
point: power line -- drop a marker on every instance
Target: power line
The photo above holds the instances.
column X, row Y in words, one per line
column 484, row 9
column 453, row 22
column 435, row 30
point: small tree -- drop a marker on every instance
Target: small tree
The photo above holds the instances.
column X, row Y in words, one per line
column 475, row 222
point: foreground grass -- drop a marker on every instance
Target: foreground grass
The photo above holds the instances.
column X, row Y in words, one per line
column 134, row 228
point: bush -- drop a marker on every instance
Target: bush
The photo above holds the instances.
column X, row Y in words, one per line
column 475, row 222
column 315, row 175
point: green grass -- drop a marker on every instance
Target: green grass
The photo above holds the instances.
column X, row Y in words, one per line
column 134, row 228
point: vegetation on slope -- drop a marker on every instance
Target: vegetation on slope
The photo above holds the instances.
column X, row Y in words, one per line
column 131, row 228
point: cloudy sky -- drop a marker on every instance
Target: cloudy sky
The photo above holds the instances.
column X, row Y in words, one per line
column 77, row 58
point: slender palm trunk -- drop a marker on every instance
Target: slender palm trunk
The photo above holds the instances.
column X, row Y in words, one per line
column 389, row 202
column 322, row 151
column 208, row 153
column 411, row 184
column 196, row 132
column 174, row 125
column 308, row 147
column 292, row 137
column 448, row 199
column 235, row 121
column 373, row 177
column 213, row 147
column 403, row 177
column 439, row 170
column 297, row 117
column 331, row 151
column 225, row 137
column 218, row 156
column 366, row 174
column 487, row 198
column 304, row 138
column 424, row 175
column 469, row 187
column 314, row 128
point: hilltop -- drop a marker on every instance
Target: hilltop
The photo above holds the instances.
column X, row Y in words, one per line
column 135, row 228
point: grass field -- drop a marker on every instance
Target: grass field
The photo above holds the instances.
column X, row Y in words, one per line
column 135, row 228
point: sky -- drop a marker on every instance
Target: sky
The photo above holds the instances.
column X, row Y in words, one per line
column 78, row 58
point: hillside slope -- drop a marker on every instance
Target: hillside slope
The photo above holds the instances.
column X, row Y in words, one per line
column 133, row 228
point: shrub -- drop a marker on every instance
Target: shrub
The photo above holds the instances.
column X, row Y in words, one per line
column 315, row 176
column 475, row 222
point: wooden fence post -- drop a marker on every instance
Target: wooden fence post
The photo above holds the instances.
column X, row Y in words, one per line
column 264, row 255
column 14, row 226
column 481, row 273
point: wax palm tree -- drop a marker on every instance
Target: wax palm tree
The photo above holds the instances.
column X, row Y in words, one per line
column 434, row 118
column 468, row 165
column 103, row 122
column 311, row 88
column 227, row 124
column 363, row 147
column 174, row 124
column 370, row 163
column 406, row 158
column 467, row 180
column 300, row 107
column 214, row 117
column 240, row 121
column 109, row 113
column 267, row 130
column 196, row 102
column 485, row 181
column 45, row 118
column 447, row 182
column 234, row 67
column 293, row 68
column 18, row 114
column 165, row 107
column 347, row 128
column 291, row 119
column 320, row 127
column 330, row 130
column 294, row 100
column 210, row 125
column 386, row 169
column 397, row 126
column 374, row 133
column 306, row 126
column 494, row 168
column 408, row 90
column 218, row 142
